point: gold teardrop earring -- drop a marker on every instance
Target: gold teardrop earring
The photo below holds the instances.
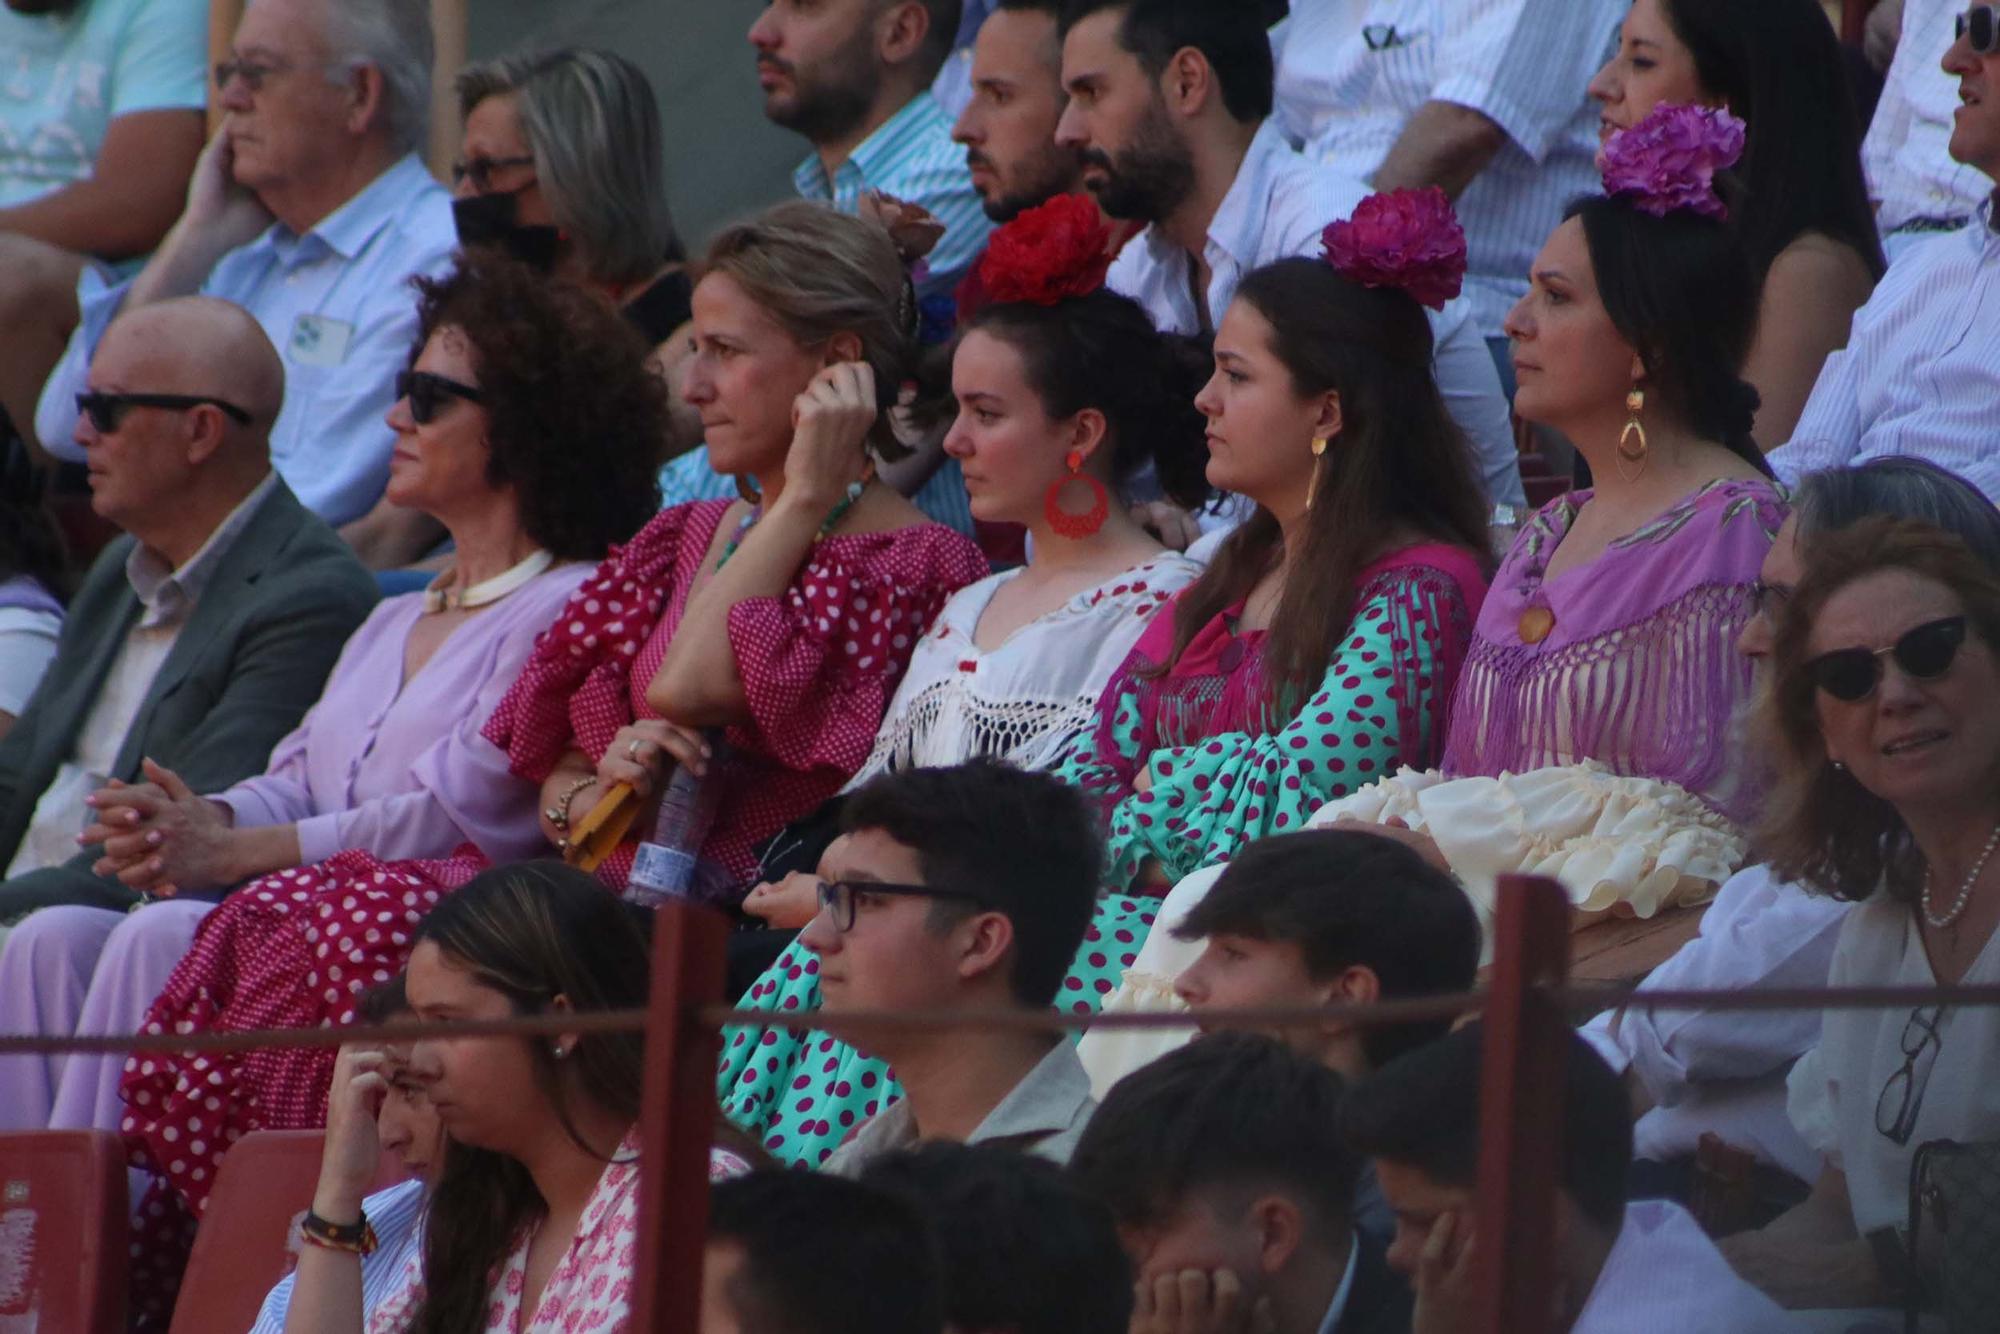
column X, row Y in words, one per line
column 1635, row 403
column 1319, row 452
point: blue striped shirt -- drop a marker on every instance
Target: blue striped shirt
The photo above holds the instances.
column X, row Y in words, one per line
column 911, row 156
column 1352, row 72
column 689, row 477
column 1921, row 370
column 395, row 1214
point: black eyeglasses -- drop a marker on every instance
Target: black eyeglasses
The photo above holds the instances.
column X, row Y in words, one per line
column 1905, row 1089
column 1983, row 25
column 1924, row 653
column 836, row 897
column 252, row 73
column 427, row 393
column 480, row 170
column 107, row 411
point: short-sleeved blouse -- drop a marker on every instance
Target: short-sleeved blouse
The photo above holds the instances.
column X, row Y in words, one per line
column 1639, row 669
column 818, row 665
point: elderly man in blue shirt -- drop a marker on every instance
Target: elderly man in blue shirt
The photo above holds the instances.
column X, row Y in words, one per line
column 311, row 209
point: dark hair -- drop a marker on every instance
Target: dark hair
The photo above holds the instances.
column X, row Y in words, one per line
column 1235, row 46
column 1101, row 351
column 1821, row 826
column 1024, row 1249
column 1422, row 1110
column 1680, row 290
column 825, row 1255
column 1401, row 464
column 382, row 1002
column 31, row 545
column 1350, row 898
column 1023, row 843
column 1230, row 1111
column 1053, row 8
column 1905, row 487
column 941, row 36
column 531, row 932
column 1777, row 64
column 576, row 417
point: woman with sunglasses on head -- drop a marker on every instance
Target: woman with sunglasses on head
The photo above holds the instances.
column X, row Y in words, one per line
column 1887, row 738
column 1802, row 210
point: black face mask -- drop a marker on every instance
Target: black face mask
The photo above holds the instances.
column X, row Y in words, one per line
column 489, row 220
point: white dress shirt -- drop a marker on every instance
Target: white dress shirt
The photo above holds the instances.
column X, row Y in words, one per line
column 1276, row 209
column 337, row 304
column 166, row 596
column 1921, row 370
column 1352, row 72
column 1724, row 1071
column 1911, row 173
column 1664, row 1276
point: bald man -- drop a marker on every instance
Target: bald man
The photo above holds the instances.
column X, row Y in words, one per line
column 204, row 633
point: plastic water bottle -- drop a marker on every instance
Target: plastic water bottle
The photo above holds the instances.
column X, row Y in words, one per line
column 668, row 865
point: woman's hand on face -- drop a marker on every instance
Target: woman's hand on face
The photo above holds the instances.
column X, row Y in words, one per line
column 353, row 1151
column 787, row 905
column 642, row 752
column 830, row 425
column 159, row 837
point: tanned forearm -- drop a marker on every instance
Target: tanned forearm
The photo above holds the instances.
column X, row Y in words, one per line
column 1443, row 144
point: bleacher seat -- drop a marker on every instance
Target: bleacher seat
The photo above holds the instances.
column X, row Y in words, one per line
column 64, row 1232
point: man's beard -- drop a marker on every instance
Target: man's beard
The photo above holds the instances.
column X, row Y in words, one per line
column 1149, row 177
column 1051, row 172
column 831, row 99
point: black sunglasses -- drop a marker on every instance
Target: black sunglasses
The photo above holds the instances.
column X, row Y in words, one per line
column 107, row 411
column 427, row 393
column 1983, row 24
column 836, row 897
column 480, row 170
column 1924, row 653
column 1905, row 1088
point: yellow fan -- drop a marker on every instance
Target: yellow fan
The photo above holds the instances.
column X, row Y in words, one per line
column 598, row 834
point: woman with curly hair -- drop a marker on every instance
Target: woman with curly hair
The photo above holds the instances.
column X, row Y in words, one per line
column 525, row 424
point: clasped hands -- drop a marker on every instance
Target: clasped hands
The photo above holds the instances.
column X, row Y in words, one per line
column 159, row 837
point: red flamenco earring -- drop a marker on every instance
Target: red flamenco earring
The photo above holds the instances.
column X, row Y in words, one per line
column 1075, row 526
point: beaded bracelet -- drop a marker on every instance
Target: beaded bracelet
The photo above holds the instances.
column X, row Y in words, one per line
column 558, row 814
column 357, row 1237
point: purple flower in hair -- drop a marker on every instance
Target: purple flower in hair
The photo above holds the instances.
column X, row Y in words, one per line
column 1668, row 160
column 1402, row 238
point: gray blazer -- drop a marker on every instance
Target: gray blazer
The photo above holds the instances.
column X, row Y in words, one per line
column 251, row 659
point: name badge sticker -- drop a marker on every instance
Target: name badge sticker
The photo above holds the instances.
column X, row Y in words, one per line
column 319, row 340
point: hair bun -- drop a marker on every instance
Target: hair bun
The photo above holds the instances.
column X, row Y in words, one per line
column 1406, row 239
column 1668, row 161
column 1049, row 253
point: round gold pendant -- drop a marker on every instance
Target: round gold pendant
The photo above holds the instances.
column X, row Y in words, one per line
column 1535, row 624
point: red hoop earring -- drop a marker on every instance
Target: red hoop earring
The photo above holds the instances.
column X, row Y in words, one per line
column 1075, row 526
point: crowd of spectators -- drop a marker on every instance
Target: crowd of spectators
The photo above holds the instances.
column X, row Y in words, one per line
column 1077, row 555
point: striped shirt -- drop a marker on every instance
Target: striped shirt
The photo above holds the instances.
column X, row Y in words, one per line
column 1352, row 72
column 1911, row 173
column 395, row 1214
column 911, row 156
column 1921, row 370
column 1276, row 209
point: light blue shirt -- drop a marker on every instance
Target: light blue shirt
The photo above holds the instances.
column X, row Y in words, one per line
column 911, row 156
column 942, row 498
column 397, row 1216
column 1341, row 1294
column 338, row 305
column 65, row 77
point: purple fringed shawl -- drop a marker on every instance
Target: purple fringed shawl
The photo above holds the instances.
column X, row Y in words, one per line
column 1640, row 671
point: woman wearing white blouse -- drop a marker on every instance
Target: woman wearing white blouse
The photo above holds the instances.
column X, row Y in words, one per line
column 1889, row 744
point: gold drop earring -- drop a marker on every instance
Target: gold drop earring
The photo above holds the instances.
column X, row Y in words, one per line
column 1319, row 452
column 1635, row 403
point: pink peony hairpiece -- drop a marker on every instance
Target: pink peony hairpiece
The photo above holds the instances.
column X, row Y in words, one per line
column 1409, row 239
column 1668, row 160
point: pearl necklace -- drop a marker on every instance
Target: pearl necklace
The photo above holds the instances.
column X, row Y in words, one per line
column 1940, row 922
column 438, row 598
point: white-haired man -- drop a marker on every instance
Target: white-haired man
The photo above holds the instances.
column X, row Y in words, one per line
column 311, row 209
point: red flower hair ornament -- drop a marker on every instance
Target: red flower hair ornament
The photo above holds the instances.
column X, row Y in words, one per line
column 1047, row 254
column 1408, row 239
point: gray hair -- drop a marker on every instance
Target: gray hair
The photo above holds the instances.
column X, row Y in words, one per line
column 1906, row 488
column 395, row 37
column 593, row 125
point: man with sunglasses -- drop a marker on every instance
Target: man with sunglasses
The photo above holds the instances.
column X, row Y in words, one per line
column 1919, row 192
column 964, row 888
column 311, row 209
column 202, row 635
column 1921, row 369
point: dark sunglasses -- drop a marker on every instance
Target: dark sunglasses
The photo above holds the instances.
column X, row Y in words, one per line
column 1923, row 653
column 1983, row 25
column 427, row 393
column 836, row 897
column 480, row 170
column 252, row 74
column 107, row 411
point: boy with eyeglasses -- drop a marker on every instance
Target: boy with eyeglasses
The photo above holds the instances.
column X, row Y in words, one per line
column 963, row 888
